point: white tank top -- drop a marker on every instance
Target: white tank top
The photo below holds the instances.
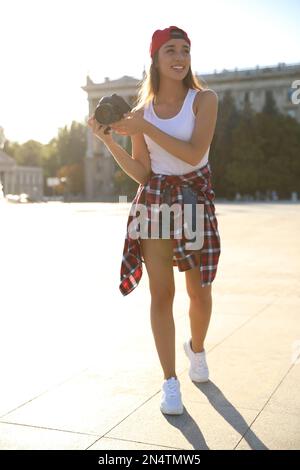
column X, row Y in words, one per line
column 180, row 126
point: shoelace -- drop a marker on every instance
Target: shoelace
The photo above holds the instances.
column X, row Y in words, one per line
column 200, row 363
column 172, row 387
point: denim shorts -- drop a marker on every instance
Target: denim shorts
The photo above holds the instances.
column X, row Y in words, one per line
column 190, row 196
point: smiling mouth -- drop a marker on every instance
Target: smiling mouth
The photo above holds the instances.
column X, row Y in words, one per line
column 178, row 68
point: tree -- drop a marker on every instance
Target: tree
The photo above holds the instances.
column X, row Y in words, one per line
column 71, row 144
column 270, row 107
column 280, row 144
column 66, row 150
column 2, row 138
column 29, row 154
column 221, row 146
column 74, row 182
column 11, row 148
column 255, row 151
column 242, row 172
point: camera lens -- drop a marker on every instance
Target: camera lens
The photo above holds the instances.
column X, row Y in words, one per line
column 104, row 113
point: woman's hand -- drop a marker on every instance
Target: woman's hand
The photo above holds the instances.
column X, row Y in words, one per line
column 100, row 129
column 132, row 123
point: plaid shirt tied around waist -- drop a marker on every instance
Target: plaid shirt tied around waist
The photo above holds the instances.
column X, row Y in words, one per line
column 151, row 196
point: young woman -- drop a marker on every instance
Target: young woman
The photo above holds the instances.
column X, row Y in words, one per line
column 171, row 129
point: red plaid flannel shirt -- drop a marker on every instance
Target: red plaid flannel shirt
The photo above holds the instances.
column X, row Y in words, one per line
column 152, row 193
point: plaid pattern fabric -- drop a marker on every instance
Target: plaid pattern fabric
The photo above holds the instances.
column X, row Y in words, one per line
column 153, row 193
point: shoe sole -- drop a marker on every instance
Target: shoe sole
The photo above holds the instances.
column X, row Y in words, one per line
column 174, row 412
column 202, row 381
column 185, row 346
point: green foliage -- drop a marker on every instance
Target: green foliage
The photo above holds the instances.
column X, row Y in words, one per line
column 74, row 175
column 255, row 151
column 66, row 151
column 71, row 144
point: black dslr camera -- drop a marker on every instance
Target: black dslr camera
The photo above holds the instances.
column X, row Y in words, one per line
column 110, row 109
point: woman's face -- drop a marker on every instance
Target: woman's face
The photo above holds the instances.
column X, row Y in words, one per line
column 175, row 52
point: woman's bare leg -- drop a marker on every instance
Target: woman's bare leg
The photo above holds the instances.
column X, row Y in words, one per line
column 200, row 307
column 158, row 256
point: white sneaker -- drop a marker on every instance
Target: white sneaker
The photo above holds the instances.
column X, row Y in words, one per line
column 171, row 397
column 198, row 370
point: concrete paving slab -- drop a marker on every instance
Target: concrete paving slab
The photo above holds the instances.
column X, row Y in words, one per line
column 286, row 397
column 17, row 437
column 108, row 443
column 278, row 431
column 274, row 328
column 89, row 403
column 199, row 427
column 239, row 378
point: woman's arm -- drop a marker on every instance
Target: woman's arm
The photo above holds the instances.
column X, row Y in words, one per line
column 132, row 167
column 140, row 151
column 191, row 151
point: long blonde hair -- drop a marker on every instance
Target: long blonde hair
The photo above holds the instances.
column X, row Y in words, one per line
column 149, row 85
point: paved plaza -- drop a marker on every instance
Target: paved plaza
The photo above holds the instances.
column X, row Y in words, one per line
column 79, row 368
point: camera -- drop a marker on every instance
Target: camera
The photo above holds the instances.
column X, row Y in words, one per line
column 110, row 109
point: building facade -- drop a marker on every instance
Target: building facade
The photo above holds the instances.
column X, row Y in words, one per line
column 18, row 179
column 99, row 164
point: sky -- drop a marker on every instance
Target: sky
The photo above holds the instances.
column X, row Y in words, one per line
column 48, row 47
